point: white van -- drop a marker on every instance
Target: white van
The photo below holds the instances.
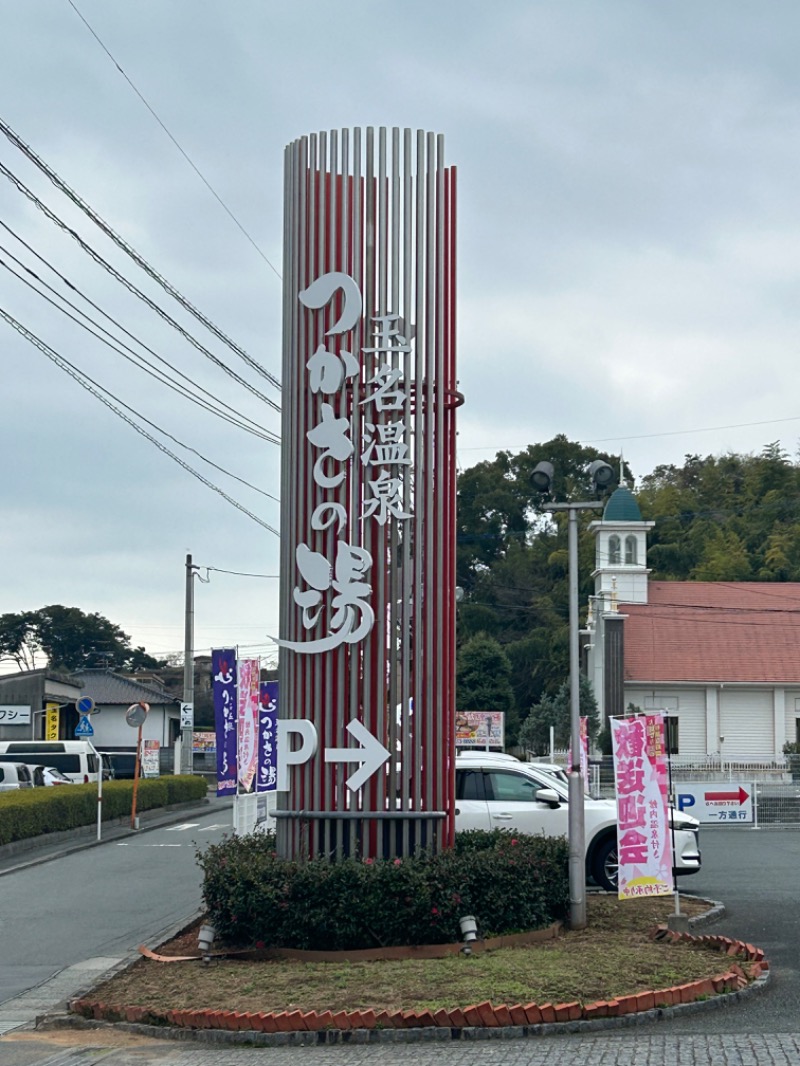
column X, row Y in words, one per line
column 76, row 759
column 14, row 775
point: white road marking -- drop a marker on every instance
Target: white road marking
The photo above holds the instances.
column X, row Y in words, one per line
column 124, row 844
column 180, row 828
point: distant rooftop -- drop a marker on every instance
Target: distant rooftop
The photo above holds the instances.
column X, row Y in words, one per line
column 106, row 687
column 707, row 631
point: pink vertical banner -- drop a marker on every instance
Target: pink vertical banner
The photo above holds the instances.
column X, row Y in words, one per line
column 640, row 772
column 247, row 732
column 584, row 753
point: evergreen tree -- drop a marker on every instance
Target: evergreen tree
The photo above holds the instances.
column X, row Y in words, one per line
column 483, row 682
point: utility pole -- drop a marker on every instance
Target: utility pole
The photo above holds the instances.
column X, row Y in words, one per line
column 542, row 478
column 187, row 711
column 575, row 815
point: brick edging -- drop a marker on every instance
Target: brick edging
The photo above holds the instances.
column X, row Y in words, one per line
column 524, row 1019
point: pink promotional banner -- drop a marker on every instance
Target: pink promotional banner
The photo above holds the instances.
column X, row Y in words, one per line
column 584, row 753
column 640, row 772
column 247, row 732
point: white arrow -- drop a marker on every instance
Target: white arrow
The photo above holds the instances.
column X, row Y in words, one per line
column 371, row 755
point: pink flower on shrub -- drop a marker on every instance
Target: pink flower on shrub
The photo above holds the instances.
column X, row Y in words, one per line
column 513, row 842
column 434, row 910
column 369, row 862
column 398, row 862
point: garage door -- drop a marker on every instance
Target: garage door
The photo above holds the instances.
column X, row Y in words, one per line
column 746, row 722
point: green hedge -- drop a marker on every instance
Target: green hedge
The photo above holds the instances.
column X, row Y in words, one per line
column 26, row 813
column 509, row 883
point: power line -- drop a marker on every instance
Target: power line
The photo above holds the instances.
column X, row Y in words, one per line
column 140, row 261
column 237, row 573
column 185, row 155
column 137, row 360
column 644, row 436
column 257, row 429
column 21, row 187
column 85, row 382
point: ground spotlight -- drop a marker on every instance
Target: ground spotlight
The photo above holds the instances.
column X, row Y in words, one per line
column 469, row 932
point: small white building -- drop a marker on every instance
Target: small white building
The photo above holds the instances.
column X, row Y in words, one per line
column 113, row 694
column 723, row 658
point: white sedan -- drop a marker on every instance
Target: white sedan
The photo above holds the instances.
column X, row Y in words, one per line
column 499, row 792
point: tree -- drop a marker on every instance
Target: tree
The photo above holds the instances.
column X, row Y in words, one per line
column 483, row 682
column 534, row 733
column 70, row 640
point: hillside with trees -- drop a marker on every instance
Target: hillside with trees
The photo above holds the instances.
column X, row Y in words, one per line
column 717, row 518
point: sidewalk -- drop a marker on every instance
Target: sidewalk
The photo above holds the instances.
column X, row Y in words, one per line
column 24, row 853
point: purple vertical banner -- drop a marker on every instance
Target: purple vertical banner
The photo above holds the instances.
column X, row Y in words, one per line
column 267, row 777
column 223, row 675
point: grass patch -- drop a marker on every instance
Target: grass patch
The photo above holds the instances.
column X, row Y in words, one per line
column 612, row 957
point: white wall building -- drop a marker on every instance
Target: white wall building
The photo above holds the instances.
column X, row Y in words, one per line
column 723, row 658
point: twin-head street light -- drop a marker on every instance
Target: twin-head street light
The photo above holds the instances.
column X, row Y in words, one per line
column 603, row 476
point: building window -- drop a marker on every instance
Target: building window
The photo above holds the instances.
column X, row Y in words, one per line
column 613, row 549
column 630, row 550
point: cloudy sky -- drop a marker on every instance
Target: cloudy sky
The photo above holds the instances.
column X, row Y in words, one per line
column 629, row 252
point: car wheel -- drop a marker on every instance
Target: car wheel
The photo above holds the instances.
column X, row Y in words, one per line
column 605, row 865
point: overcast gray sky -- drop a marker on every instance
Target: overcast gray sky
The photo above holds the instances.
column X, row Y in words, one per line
column 628, row 253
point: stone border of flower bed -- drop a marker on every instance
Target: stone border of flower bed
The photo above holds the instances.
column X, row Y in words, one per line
column 477, row 1021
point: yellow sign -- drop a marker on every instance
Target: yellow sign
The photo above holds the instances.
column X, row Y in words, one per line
column 52, row 719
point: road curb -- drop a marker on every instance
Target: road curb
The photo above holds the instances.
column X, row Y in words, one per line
column 425, row 1034
column 482, row 1021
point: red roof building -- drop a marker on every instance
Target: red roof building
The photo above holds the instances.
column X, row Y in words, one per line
column 721, row 658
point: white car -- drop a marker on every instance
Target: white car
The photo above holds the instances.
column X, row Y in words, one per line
column 48, row 776
column 499, row 792
column 15, row 775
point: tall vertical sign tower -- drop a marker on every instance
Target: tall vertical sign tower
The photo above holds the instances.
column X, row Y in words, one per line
column 367, row 626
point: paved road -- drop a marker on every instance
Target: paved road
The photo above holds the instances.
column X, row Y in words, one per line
column 754, row 873
column 99, row 903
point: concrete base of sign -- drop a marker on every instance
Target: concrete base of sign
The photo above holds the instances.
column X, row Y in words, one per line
column 678, row 923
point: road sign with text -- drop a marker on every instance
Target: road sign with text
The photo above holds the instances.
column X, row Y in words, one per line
column 716, row 803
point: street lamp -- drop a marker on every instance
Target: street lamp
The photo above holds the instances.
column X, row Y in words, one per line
column 602, row 476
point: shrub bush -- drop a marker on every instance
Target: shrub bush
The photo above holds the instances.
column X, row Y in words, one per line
column 26, row 813
column 511, row 884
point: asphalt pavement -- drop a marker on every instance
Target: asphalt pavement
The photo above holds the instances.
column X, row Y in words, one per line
column 753, row 872
column 73, row 910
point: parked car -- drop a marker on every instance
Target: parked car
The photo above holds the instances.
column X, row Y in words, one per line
column 122, row 763
column 48, row 776
column 552, row 768
column 503, row 793
column 75, row 758
column 15, row 775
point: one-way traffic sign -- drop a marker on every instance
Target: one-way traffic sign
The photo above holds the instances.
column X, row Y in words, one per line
column 715, row 803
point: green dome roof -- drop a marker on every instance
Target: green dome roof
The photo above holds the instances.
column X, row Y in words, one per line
column 622, row 507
